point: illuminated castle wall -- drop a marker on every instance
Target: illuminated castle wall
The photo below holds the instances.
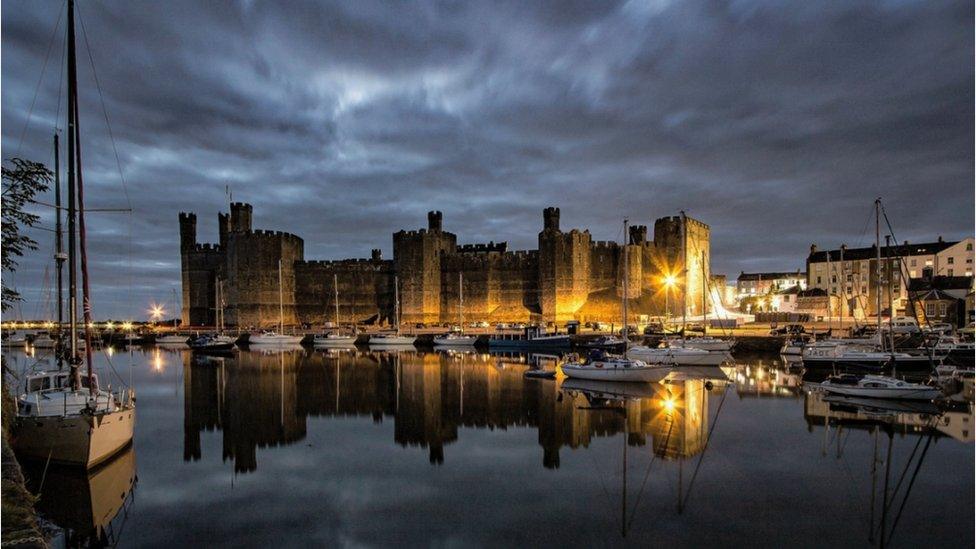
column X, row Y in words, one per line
column 569, row 276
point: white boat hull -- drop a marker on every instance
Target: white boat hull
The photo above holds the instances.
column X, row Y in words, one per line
column 276, row 339
column 347, row 341
column 464, row 341
column 82, row 439
column 927, row 393
column 392, row 340
column 647, row 374
column 704, row 345
column 172, row 339
column 677, row 357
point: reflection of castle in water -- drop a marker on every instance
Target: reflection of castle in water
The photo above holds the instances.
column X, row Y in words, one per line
column 264, row 400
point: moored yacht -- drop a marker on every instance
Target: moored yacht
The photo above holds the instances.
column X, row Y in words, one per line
column 274, row 338
column 334, row 339
column 455, row 340
column 873, row 386
column 678, row 356
column 705, row 343
column 601, row 366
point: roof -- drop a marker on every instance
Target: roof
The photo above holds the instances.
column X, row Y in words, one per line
column 937, row 295
column 773, row 275
column 790, row 291
column 940, row 283
column 899, row 250
column 812, row 292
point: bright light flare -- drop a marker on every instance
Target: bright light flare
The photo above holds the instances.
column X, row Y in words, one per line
column 156, row 311
column 670, row 281
column 669, row 404
column 127, row 326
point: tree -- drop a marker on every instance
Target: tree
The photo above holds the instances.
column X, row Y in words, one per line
column 21, row 183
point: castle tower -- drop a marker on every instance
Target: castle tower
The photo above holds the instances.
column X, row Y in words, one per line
column 240, row 217
column 188, row 231
column 223, row 227
column 564, row 269
column 199, row 264
column 417, row 256
column 682, row 248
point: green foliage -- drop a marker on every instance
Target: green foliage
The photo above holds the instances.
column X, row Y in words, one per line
column 21, row 183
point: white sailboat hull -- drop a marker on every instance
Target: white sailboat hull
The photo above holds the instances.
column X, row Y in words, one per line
column 275, row 339
column 645, row 374
column 709, row 344
column 461, row 341
column 343, row 341
column 677, row 356
column 82, row 439
column 926, row 393
column 171, row 339
column 392, row 340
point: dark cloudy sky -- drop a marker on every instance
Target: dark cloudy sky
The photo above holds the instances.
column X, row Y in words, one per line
column 777, row 123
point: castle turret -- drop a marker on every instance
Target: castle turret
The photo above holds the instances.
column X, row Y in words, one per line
column 434, row 220
column 223, row 227
column 550, row 219
column 376, row 254
column 638, row 234
column 240, row 217
column 188, row 231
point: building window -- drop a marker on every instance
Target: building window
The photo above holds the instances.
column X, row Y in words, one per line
column 950, row 272
column 912, row 273
column 950, row 260
column 833, row 279
column 913, row 263
column 928, row 262
column 969, row 246
column 930, row 309
column 848, row 290
column 818, row 281
column 943, row 309
column 850, row 278
column 864, row 289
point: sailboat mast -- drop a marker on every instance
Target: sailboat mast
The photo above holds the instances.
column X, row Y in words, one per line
column 281, row 303
column 461, row 301
column 877, row 248
column 891, row 303
column 396, row 304
column 684, row 266
column 830, row 280
column 626, row 279
column 704, row 293
column 59, row 256
column 72, row 210
column 335, row 282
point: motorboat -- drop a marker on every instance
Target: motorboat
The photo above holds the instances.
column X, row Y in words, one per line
column 530, row 338
column 392, row 339
column 601, row 366
column 955, row 352
column 792, row 347
column 333, row 339
column 874, row 386
column 705, row 343
column 677, row 356
column 274, row 338
column 210, row 343
column 455, row 340
column 80, row 426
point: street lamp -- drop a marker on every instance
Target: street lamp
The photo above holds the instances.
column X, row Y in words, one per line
column 669, row 282
column 156, row 312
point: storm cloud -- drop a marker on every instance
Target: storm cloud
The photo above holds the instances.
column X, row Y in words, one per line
column 776, row 123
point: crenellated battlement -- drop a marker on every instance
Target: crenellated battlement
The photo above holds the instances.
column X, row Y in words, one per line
column 569, row 276
column 482, row 248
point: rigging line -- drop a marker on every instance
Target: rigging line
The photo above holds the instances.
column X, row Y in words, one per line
column 101, row 98
column 910, row 483
column 708, row 439
column 647, row 472
column 40, row 79
column 64, row 52
column 901, row 479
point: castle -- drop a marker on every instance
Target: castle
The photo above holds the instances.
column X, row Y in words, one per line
column 569, row 276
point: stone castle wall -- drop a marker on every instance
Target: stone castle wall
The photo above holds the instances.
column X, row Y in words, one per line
column 569, row 277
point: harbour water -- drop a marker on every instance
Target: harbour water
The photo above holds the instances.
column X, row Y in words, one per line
column 300, row 447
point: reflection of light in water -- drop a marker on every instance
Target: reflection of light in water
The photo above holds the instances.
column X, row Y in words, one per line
column 158, row 363
column 109, row 350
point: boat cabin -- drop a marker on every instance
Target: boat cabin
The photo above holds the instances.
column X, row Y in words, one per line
column 54, row 381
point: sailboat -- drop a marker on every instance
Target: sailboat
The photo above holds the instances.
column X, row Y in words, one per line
column 457, row 339
column 62, row 417
column 843, row 354
column 335, row 339
column 277, row 338
column 174, row 338
column 602, row 366
column 394, row 338
column 220, row 337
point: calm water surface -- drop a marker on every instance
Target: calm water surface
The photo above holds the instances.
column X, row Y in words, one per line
column 300, row 447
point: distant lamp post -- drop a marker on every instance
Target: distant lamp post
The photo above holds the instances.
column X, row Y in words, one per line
column 156, row 312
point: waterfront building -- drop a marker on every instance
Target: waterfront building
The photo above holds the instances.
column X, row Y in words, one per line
column 852, row 273
column 941, row 299
column 568, row 277
column 758, row 284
